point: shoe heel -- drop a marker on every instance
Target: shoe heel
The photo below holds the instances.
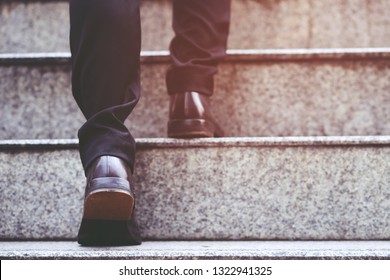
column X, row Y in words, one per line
column 190, row 128
column 109, row 199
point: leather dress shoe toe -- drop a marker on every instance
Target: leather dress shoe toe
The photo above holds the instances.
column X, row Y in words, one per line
column 190, row 116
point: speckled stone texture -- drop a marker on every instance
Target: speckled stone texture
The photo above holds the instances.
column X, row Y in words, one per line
column 37, row 103
column 278, row 98
column 310, row 24
column 221, row 190
column 41, row 194
column 202, row 250
column 43, row 27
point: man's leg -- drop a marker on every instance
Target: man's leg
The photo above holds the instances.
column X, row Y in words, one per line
column 105, row 45
column 201, row 31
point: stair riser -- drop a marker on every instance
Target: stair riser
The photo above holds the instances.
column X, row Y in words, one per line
column 221, row 192
column 317, row 97
column 43, row 27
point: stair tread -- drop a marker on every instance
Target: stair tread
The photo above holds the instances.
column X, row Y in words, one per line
column 199, row 250
column 232, row 55
column 209, row 142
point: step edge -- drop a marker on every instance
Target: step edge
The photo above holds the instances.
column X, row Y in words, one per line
column 193, row 249
column 236, row 55
column 153, row 143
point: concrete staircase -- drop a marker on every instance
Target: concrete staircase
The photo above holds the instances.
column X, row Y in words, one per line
column 304, row 97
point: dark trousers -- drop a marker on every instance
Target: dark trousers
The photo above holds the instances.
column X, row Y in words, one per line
column 105, row 39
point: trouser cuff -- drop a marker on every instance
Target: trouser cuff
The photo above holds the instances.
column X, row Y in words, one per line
column 179, row 81
column 99, row 146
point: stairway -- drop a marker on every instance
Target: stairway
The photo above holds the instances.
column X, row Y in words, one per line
column 304, row 171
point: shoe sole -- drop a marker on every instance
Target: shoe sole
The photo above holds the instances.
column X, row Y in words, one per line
column 109, row 233
column 192, row 128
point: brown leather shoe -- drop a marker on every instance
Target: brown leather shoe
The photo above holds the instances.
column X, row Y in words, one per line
column 190, row 117
column 108, row 195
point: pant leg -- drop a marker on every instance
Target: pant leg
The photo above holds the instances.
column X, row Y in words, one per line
column 105, row 41
column 201, row 30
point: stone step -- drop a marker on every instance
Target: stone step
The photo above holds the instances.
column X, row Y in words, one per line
column 307, row 188
column 43, row 26
column 201, row 250
column 299, row 92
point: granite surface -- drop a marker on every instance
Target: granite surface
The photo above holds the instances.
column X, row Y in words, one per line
column 280, row 98
column 155, row 143
column 201, row 250
column 43, row 27
column 310, row 24
column 248, row 55
column 216, row 192
column 37, row 103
